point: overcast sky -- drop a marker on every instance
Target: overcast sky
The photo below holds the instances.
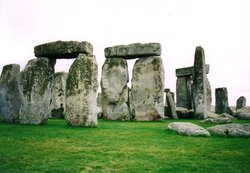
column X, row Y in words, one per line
column 221, row 27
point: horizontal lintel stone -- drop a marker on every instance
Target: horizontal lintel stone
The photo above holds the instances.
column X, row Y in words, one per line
column 188, row 71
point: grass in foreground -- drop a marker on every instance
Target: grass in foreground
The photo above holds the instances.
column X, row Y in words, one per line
column 118, row 147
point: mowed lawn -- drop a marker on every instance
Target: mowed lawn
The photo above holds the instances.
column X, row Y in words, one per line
column 118, row 147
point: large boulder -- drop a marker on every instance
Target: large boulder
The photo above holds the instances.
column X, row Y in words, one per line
column 184, row 113
column 81, row 92
column 114, row 89
column 10, row 93
column 58, row 88
column 188, row 129
column 135, row 50
column 243, row 114
column 147, row 90
column 36, row 90
column 200, row 82
column 218, row 120
column 63, row 49
column 234, row 130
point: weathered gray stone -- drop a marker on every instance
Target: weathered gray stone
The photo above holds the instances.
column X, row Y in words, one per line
column 200, row 84
column 234, row 130
column 35, row 86
column 171, row 111
column 81, row 92
column 184, row 92
column 114, row 89
column 10, row 93
column 225, row 115
column 188, row 71
column 221, row 101
column 188, row 129
column 241, row 103
column 217, row 120
column 99, row 99
column 243, row 114
column 148, row 89
column 135, row 50
column 209, row 95
column 184, row 113
column 58, row 100
column 63, row 49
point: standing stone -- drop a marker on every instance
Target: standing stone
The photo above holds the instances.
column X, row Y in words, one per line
column 200, row 85
column 221, row 101
column 10, row 93
column 171, row 111
column 147, row 90
column 209, row 96
column 58, row 87
column 114, row 89
column 184, row 92
column 81, row 92
column 35, row 86
column 241, row 103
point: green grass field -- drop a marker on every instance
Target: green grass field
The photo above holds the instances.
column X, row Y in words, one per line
column 118, row 147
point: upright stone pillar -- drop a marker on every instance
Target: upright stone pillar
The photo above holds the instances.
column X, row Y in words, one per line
column 10, row 93
column 200, row 85
column 148, row 89
column 170, row 110
column 184, row 92
column 114, row 89
column 241, row 103
column 58, row 87
column 81, row 92
column 35, row 86
column 221, row 101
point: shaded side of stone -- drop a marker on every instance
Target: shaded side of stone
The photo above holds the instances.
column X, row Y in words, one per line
column 114, row 89
column 171, row 111
column 184, row 92
column 147, row 92
column 188, row 71
column 36, row 90
column 241, row 103
column 10, row 93
column 58, row 88
column 135, row 50
column 63, row 49
column 81, row 92
column 200, row 85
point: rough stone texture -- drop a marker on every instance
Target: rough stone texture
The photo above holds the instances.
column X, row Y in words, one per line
column 63, row 49
column 99, row 99
column 243, row 114
column 147, row 92
column 58, row 87
column 213, row 115
column 217, row 120
column 171, row 111
column 200, row 84
column 188, row 71
column 184, row 92
column 188, row 129
column 209, row 95
column 225, row 115
column 221, row 101
column 241, row 103
column 35, row 86
column 81, row 92
column 10, row 93
column 234, row 130
column 114, row 89
column 184, row 113
column 135, row 50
